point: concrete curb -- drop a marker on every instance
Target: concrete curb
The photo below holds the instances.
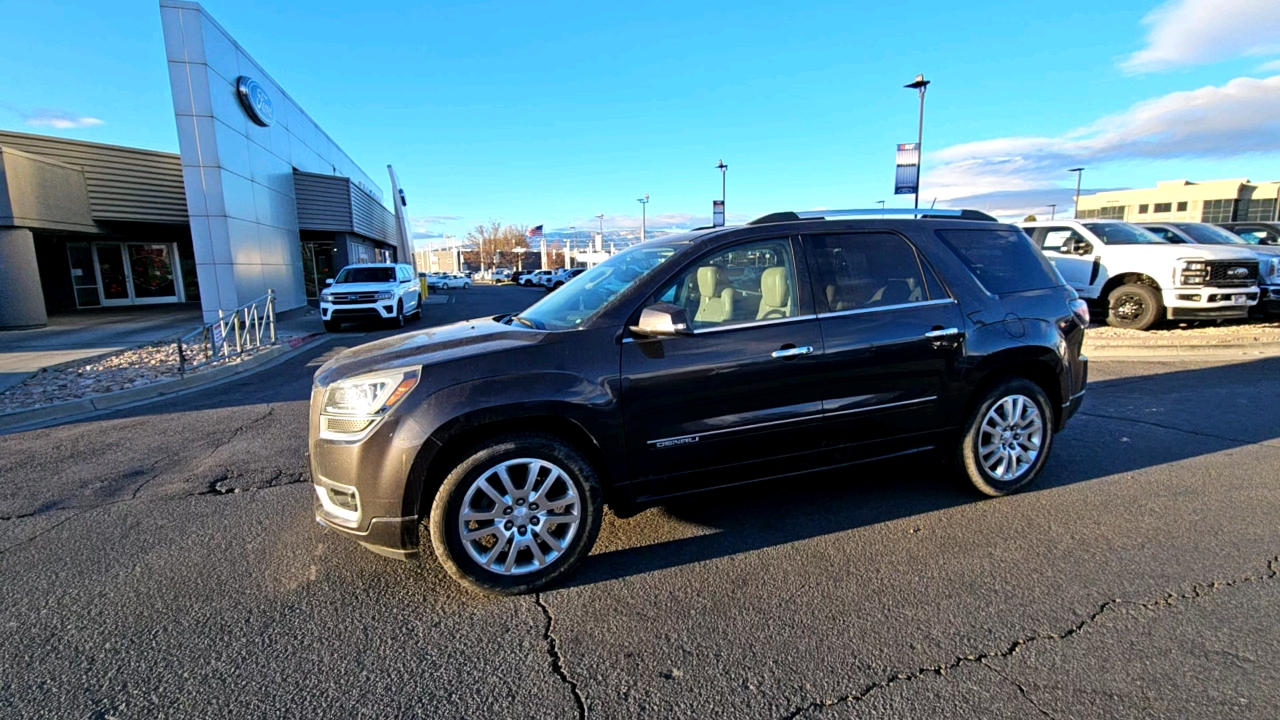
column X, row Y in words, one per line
column 72, row 409
column 1165, row 349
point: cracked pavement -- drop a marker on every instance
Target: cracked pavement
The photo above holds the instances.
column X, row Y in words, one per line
column 162, row 561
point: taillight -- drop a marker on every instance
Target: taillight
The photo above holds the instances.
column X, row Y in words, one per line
column 1080, row 309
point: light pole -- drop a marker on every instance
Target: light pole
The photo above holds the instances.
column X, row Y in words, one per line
column 1053, row 211
column 600, row 217
column 723, row 169
column 574, row 231
column 881, row 207
column 644, row 203
column 919, row 84
column 1079, row 174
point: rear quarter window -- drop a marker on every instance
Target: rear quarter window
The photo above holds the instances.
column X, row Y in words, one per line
column 1003, row 261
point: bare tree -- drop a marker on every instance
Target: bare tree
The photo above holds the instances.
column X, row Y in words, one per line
column 497, row 242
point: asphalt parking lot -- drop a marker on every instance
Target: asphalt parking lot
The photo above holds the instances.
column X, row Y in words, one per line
column 163, row 562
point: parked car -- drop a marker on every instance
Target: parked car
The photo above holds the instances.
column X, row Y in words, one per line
column 656, row 374
column 1255, row 233
column 557, row 279
column 449, row 281
column 517, row 274
column 501, row 275
column 1183, row 233
column 534, row 278
column 1143, row 279
column 374, row 291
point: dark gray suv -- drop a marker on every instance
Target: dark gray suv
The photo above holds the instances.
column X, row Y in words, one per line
column 703, row 360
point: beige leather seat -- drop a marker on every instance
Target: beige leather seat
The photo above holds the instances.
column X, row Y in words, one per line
column 775, row 294
column 715, row 296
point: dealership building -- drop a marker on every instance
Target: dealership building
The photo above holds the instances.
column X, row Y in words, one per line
column 258, row 198
column 1213, row 201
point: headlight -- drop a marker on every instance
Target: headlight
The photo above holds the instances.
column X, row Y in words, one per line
column 1193, row 273
column 326, row 297
column 1274, row 272
column 383, row 296
column 352, row 406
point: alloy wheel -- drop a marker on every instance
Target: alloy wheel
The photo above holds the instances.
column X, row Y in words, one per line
column 519, row 516
column 1011, row 437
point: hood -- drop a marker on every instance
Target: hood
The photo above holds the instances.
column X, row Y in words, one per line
column 432, row 346
column 1173, row 251
column 362, row 287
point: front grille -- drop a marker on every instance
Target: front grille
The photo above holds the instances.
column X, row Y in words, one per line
column 1226, row 273
column 357, row 299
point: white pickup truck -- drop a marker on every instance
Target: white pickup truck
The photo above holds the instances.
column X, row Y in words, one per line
column 1144, row 279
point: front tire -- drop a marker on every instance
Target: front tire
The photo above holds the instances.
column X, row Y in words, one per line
column 398, row 320
column 519, row 514
column 332, row 326
column 1007, row 438
column 1136, row 307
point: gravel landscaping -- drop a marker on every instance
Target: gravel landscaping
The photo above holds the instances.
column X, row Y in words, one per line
column 104, row 374
column 1226, row 332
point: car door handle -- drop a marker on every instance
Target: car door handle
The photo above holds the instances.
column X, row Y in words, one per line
column 943, row 333
column 785, row 353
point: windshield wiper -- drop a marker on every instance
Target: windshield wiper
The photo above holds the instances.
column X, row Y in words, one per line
column 524, row 321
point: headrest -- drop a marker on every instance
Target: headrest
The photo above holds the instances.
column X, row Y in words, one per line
column 711, row 280
column 774, row 287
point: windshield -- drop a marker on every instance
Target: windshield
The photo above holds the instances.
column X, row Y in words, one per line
column 1210, row 235
column 365, row 275
column 1123, row 234
column 587, row 294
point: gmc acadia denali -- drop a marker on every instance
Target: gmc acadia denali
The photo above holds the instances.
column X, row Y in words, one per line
column 798, row 342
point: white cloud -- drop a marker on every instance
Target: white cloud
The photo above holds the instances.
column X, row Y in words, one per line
column 1271, row 66
column 420, row 225
column 1196, row 32
column 57, row 119
column 1211, row 122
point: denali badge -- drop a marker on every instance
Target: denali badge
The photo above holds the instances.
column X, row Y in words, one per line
column 676, row 441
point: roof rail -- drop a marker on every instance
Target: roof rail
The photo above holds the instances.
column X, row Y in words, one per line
column 873, row 212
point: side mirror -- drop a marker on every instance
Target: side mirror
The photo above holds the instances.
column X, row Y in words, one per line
column 328, row 281
column 1077, row 246
column 663, row 320
column 1269, row 241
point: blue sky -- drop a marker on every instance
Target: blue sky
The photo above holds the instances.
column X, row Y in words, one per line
column 554, row 112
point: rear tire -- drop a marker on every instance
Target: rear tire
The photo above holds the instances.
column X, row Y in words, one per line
column 1136, row 307
column 518, row 514
column 1007, row 438
column 332, row 326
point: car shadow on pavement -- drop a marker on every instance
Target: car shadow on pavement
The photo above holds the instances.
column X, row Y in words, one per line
column 1143, row 422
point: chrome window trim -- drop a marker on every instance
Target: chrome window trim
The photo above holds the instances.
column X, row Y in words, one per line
column 862, row 311
column 900, row 403
column 814, row 416
column 753, row 323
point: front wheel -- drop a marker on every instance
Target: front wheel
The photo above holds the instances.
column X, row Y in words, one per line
column 1136, row 307
column 1007, row 437
column 332, row 326
column 466, row 286
column 517, row 515
column 398, row 320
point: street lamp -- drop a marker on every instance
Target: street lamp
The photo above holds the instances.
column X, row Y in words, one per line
column 881, row 207
column 1079, row 174
column 600, row 217
column 1053, row 210
column 919, row 84
column 574, row 231
column 644, row 202
column 723, row 169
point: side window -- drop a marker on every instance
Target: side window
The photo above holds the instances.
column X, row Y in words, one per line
column 752, row 282
column 1054, row 237
column 867, row 270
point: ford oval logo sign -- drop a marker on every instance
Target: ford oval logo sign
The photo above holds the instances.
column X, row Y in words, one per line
column 1238, row 272
column 256, row 101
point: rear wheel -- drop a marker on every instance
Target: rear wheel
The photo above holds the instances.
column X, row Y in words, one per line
column 517, row 515
column 1007, row 437
column 1136, row 307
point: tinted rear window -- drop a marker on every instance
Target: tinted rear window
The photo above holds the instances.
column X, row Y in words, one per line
column 1004, row 261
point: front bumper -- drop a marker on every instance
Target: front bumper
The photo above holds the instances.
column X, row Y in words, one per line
column 381, row 310
column 1209, row 303
column 377, row 470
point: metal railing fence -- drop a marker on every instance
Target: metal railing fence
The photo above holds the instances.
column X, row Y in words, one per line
column 236, row 332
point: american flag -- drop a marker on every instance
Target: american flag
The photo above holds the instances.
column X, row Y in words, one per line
column 533, row 232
